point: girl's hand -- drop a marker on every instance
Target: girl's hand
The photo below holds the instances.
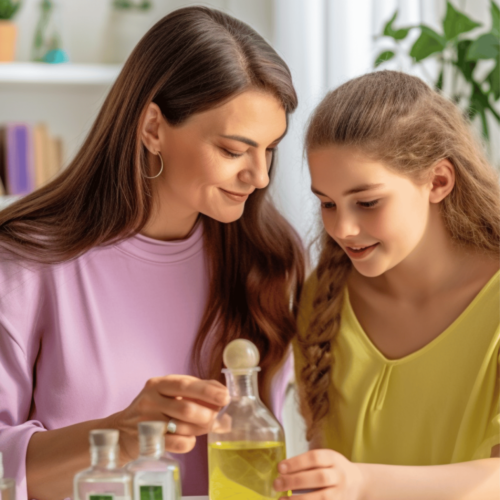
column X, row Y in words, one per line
column 334, row 477
column 192, row 402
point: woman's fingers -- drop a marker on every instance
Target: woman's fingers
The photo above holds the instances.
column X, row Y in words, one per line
column 179, row 444
column 313, row 459
column 184, row 386
column 187, row 411
column 316, row 478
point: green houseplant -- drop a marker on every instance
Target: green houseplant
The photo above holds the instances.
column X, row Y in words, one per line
column 8, row 30
column 130, row 4
column 458, row 56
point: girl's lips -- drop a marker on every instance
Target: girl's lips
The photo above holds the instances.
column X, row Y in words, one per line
column 360, row 254
column 234, row 196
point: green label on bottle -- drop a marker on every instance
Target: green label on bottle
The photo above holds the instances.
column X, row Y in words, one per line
column 100, row 497
column 151, row 493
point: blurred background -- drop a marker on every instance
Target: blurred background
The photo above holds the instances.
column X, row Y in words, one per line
column 61, row 57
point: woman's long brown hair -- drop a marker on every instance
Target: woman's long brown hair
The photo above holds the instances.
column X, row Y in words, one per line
column 396, row 119
column 192, row 60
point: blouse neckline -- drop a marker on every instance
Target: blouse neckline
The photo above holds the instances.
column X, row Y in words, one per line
column 430, row 345
column 166, row 252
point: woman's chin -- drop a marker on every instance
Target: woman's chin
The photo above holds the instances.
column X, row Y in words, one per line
column 226, row 216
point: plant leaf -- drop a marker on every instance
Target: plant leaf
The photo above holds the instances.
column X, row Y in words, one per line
column 485, row 47
column 439, row 83
column 494, row 80
column 495, row 19
column 462, row 63
column 429, row 42
column 396, row 34
column 384, row 56
column 456, row 23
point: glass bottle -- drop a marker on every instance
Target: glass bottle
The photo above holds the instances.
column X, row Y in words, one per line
column 155, row 474
column 103, row 480
column 7, row 486
column 246, row 442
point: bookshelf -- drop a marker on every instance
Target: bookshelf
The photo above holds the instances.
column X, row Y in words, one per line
column 58, row 74
column 66, row 97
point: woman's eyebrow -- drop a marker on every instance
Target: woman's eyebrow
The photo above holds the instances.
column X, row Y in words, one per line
column 248, row 141
column 241, row 139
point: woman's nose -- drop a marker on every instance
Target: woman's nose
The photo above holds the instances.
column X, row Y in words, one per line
column 256, row 173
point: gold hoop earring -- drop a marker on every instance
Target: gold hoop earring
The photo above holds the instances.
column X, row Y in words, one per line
column 161, row 168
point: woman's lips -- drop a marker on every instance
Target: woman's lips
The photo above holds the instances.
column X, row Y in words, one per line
column 360, row 252
column 235, row 196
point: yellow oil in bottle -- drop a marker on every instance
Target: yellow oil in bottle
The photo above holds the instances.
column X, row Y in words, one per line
column 244, row 470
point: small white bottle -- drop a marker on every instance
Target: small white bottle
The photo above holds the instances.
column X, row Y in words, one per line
column 104, row 480
column 7, row 486
column 155, row 474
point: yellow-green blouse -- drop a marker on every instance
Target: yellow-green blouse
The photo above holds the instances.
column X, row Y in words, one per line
column 438, row 405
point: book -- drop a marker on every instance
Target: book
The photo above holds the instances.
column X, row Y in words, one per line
column 20, row 174
column 3, row 184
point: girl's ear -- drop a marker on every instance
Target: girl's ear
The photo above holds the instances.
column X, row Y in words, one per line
column 150, row 128
column 442, row 181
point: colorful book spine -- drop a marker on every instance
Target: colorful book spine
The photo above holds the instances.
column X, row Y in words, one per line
column 19, row 161
column 29, row 157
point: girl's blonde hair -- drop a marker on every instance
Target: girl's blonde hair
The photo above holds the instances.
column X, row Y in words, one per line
column 398, row 120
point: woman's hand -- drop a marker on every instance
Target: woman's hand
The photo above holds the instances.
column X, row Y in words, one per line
column 330, row 473
column 191, row 402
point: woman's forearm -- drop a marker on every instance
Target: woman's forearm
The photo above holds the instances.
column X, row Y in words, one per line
column 476, row 480
column 54, row 457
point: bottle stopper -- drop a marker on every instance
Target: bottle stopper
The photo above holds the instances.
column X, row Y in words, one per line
column 241, row 354
column 104, row 437
column 152, row 428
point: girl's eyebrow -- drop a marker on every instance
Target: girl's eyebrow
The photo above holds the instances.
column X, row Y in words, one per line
column 358, row 189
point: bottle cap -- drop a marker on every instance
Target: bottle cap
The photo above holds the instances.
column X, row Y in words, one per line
column 152, row 428
column 241, row 354
column 104, row 437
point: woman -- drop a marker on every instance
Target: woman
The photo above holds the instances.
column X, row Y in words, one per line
column 138, row 261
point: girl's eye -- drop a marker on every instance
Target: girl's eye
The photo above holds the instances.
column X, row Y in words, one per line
column 368, row 204
column 327, row 205
column 230, row 154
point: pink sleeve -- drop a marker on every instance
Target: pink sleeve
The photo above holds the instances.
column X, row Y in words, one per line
column 20, row 337
column 16, row 389
column 279, row 386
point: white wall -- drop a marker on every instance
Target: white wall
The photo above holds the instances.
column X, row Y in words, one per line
column 85, row 22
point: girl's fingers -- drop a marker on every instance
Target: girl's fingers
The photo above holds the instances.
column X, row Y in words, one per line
column 324, row 494
column 313, row 459
column 317, row 478
column 185, row 386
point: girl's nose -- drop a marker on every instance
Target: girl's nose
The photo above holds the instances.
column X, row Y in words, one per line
column 344, row 226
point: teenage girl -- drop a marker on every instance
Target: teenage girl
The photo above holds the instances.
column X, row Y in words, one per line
column 398, row 347
column 127, row 275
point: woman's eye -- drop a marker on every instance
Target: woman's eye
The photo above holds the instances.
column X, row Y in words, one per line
column 367, row 204
column 230, row 154
column 327, row 205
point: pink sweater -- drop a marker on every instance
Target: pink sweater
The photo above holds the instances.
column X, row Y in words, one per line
column 79, row 340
